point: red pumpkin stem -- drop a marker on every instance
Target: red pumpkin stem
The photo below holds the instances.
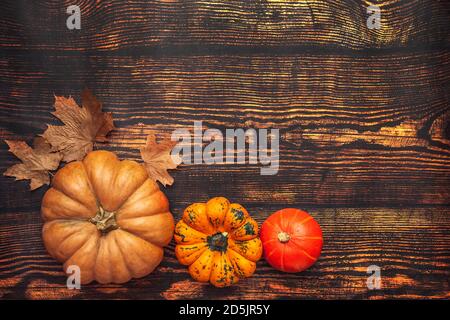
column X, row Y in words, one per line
column 283, row 237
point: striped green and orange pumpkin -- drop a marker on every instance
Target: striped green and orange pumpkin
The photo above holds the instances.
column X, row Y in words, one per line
column 219, row 242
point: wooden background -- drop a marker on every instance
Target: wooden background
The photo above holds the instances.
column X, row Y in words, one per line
column 363, row 115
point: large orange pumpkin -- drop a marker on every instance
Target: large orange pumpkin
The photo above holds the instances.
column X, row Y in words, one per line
column 219, row 242
column 106, row 217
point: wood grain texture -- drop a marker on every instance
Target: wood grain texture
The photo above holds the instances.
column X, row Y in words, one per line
column 112, row 25
column 409, row 245
column 363, row 115
column 355, row 130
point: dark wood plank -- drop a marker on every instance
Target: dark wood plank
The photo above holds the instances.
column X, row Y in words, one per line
column 112, row 25
column 355, row 130
column 411, row 246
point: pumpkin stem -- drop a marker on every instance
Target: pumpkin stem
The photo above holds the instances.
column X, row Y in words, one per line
column 283, row 237
column 218, row 241
column 105, row 221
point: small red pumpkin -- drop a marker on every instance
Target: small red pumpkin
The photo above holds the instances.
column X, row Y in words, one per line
column 292, row 240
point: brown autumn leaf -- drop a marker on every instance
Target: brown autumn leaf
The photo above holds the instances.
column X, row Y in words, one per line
column 82, row 126
column 36, row 162
column 157, row 159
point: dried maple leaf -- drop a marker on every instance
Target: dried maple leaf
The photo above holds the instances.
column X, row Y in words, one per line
column 157, row 159
column 82, row 126
column 36, row 162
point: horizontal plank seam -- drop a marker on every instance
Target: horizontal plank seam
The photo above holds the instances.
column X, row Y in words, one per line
column 208, row 50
